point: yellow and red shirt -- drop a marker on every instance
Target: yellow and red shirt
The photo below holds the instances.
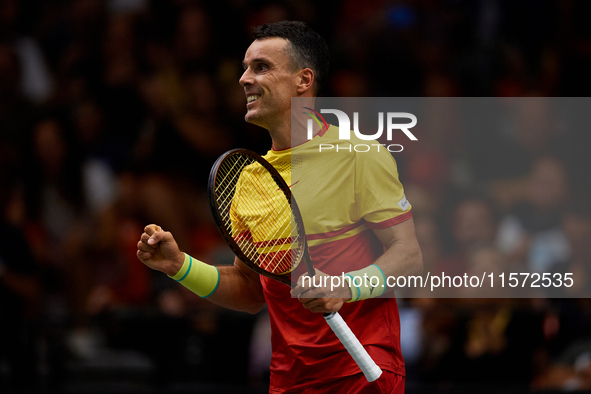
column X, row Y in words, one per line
column 342, row 196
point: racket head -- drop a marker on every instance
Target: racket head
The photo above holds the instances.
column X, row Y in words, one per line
column 257, row 215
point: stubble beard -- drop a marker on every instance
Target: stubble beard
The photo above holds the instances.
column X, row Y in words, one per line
column 258, row 117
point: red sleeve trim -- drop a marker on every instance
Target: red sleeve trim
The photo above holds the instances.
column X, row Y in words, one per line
column 330, row 234
column 390, row 222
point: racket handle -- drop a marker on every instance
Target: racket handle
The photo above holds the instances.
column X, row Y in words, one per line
column 353, row 346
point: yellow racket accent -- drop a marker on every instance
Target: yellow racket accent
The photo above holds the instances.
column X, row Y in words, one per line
column 257, row 214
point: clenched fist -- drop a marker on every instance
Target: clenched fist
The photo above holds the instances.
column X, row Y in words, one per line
column 158, row 250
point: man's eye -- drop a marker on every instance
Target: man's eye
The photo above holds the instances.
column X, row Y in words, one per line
column 263, row 67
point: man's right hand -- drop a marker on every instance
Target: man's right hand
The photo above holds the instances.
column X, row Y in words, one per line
column 158, row 250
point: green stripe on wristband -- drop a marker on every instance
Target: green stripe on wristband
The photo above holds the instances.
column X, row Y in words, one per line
column 371, row 281
column 188, row 269
column 354, row 290
column 202, row 279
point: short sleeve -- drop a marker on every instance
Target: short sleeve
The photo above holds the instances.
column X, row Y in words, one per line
column 379, row 195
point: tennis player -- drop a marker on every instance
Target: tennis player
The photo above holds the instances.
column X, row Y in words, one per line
column 366, row 228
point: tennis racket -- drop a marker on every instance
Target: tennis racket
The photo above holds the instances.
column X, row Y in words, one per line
column 259, row 218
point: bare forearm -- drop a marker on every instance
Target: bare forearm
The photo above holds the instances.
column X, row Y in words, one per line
column 237, row 291
column 403, row 254
column 401, row 259
column 236, row 287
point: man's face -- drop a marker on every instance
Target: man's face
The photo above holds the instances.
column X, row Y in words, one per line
column 269, row 81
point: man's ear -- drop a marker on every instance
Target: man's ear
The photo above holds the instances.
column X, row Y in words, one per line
column 305, row 80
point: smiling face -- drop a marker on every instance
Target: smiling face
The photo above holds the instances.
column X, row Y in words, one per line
column 270, row 80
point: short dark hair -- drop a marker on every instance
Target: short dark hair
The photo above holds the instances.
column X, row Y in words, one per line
column 309, row 50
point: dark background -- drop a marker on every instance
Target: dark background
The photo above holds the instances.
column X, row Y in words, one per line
column 112, row 113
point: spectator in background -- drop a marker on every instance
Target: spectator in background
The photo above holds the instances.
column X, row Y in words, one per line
column 522, row 132
column 20, row 297
column 17, row 114
column 36, row 83
column 532, row 235
column 576, row 225
column 473, row 224
column 116, row 86
column 570, row 372
column 193, row 39
column 56, row 207
column 96, row 151
column 133, row 83
column 567, row 361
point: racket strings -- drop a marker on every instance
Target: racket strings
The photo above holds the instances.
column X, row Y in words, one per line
column 261, row 202
column 274, row 236
column 229, row 168
column 279, row 212
column 278, row 237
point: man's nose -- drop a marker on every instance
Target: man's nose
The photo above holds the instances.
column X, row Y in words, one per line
column 246, row 78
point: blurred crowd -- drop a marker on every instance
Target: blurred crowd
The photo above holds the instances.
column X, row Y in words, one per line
column 113, row 111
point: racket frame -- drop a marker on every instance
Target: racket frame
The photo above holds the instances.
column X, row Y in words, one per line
column 282, row 185
column 366, row 364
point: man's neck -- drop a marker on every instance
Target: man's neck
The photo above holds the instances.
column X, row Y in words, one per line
column 281, row 143
column 288, row 139
column 291, row 131
column 281, row 136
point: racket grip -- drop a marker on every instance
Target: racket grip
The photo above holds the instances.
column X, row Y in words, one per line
column 353, row 346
